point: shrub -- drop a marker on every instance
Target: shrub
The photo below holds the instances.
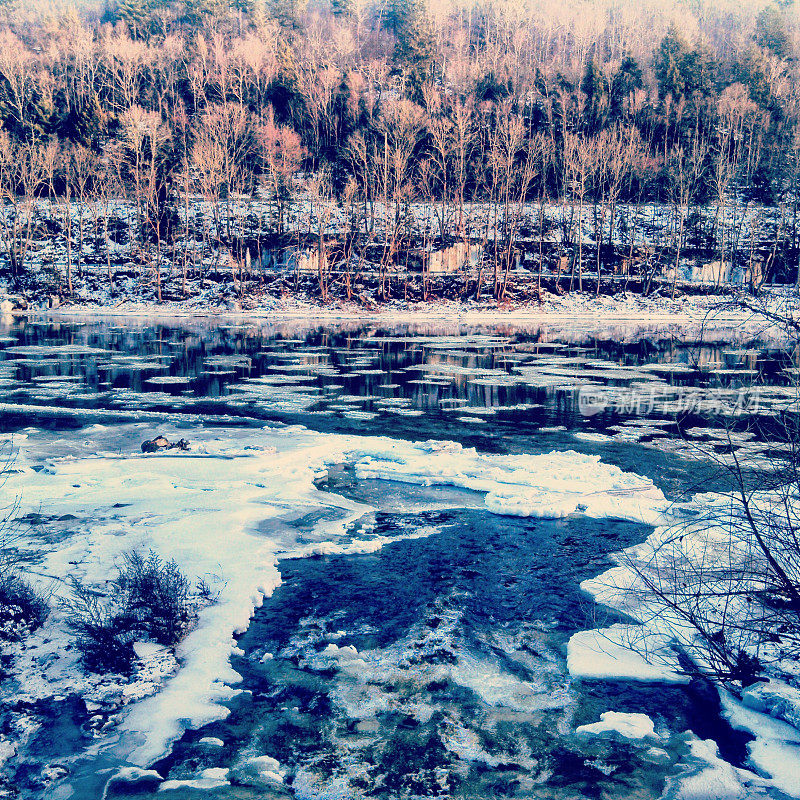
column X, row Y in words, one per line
column 22, row 610
column 151, row 600
column 106, row 646
column 155, row 598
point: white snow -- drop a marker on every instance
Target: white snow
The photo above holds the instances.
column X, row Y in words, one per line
column 258, row 771
column 776, row 748
column 707, row 534
column 628, row 726
column 212, row 741
column 716, row 780
column 212, row 778
column 219, row 511
column 619, row 653
column 550, row 485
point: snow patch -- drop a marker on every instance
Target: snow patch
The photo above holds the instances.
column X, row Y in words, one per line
column 619, row 653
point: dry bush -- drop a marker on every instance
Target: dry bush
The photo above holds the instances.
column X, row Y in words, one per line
column 151, row 600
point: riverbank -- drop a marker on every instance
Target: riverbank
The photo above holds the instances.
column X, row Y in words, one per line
column 734, row 308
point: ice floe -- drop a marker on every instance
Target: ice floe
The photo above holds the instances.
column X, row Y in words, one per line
column 623, row 725
column 550, row 485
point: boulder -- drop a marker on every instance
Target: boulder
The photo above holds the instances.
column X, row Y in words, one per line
column 775, row 698
column 162, row 443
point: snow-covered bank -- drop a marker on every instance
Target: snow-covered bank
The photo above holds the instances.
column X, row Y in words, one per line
column 241, row 499
column 690, row 583
column 721, row 310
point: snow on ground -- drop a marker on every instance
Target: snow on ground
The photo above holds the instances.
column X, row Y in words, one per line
column 226, row 511
column 706, row 776
column 574, row 305
column 706, row 548
column 776, row 748
column 623, row 652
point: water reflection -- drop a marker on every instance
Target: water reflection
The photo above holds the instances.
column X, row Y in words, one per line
column 527, row 378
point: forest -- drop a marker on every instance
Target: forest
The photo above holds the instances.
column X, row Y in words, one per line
column 148, row 143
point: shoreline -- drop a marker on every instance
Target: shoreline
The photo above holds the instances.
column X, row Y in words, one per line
column 578, row 308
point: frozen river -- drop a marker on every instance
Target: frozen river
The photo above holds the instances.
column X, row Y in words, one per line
column 418, row 507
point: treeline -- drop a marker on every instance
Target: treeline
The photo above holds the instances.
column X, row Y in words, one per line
column 380, row 104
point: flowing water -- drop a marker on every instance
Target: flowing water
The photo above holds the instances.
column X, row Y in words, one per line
column 434, row 666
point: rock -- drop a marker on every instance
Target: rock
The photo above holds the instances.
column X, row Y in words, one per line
column 129, row 781
column 154, row 445
column 54, row 772
column 162, row 443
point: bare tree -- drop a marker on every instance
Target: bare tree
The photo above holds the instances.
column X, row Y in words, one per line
column 145, row 136
column 22, row 172
column 281, row 155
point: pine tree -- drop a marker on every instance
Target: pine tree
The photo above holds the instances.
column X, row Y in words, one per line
column 627, row 79
column 196, row 11
column 134, row 13
column 415, row 48
column 284, row 12
column 669, row 56
column 771, row 32
column 594, row 86
column 682, row 70
column 85, row 121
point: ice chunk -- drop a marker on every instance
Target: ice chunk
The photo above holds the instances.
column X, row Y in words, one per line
column 212, row 741
column 131, row 780
column 548, row 485
column 212, row 778
column 616, row 723
column 619, row 652
column 260, row 772
column 776, row 699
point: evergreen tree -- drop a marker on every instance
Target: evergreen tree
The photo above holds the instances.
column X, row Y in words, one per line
column 399, row 15
column 415, row 49
column 667, row 64
column 341, row 8
column 134, row 13
column 594, row 86
column 197, row 11
column 85, row 121
column 627, row 79
column 752, row 70
column 680, row 69
column 284, row 12
column 771, row 32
